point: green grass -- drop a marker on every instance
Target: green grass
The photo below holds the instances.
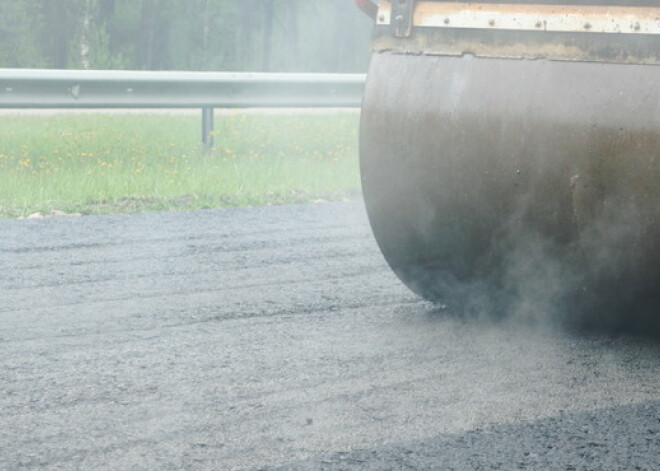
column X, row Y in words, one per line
column 105, row 163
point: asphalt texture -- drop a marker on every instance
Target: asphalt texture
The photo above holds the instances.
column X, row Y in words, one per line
column 277, row 338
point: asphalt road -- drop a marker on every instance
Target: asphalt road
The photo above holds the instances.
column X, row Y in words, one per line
column 276, row 338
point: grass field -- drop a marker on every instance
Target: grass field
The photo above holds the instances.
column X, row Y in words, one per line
column 106, row 163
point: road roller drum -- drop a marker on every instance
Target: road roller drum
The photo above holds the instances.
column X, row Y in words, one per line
column 509, row 155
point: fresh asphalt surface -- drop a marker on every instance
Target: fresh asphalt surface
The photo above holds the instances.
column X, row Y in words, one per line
column 277, row 338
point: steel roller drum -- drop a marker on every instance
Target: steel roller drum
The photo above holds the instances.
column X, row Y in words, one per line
column 506, row 168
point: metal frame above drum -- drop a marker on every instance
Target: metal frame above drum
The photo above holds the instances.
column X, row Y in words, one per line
column 620, row 34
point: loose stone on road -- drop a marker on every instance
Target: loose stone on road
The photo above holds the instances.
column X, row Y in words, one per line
column 277, row 338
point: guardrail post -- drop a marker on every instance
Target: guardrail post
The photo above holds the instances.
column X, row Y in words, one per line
column 207, row 128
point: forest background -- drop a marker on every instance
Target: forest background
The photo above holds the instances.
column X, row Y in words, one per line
column 201, row 35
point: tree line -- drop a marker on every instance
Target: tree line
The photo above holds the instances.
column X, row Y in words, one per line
column 228, row 35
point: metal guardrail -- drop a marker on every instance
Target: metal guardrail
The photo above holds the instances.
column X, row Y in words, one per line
column 39, row 88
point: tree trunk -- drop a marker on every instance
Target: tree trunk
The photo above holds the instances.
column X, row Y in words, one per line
column 206, row 28
column 146, row 35
column 244, row 42
column 293, row 11
column 266, row 44
column 56, row 33
column 85, row 31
